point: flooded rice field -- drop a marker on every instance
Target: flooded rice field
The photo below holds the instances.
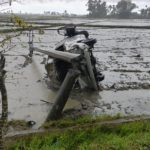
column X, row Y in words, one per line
column 123, row 55
column 127, row 22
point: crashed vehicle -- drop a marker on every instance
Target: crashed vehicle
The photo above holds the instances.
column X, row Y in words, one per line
column 77, row 42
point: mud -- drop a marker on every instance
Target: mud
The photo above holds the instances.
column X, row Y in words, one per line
column 123, row 55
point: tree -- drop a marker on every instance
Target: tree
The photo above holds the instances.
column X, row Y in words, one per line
column 112, row 10
column 65, row 14
column 101, row 9
column 97, row 8
column 3, row 91
column 91, row 8
column 145, row 13
column 125, row 8
column 4, row 101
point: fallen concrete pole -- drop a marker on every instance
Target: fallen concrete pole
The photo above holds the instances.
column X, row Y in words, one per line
column 63, row 95
column 65, row 56
column 93, row 82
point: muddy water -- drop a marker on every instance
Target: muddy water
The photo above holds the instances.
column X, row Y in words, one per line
column 128, row 22
column 131, row 102
column 122, row 55
column 28, row 93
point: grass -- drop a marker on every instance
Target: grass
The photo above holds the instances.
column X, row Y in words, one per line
column 69, row 122
column 130, row 136
column 18, row 125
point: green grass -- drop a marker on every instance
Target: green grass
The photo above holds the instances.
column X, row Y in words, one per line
column 69, row 122
column 131, row 136
column 18, row 125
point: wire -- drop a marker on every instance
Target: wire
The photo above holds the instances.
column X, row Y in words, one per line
column 3, row 3
column 5, row 9
column 8, row 2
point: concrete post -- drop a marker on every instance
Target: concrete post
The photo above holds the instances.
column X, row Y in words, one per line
column 63, row 95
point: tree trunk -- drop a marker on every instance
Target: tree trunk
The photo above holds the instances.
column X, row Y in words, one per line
column 3, row 91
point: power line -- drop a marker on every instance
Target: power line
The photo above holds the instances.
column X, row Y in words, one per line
column 8, row 2
column 4, row 9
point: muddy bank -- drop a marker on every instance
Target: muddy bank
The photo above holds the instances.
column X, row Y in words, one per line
column 72, row 125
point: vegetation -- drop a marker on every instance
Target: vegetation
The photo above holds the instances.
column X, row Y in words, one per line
column 69, row 122
column 131, row 136
column 97, row 8
column 4, row 45
column 145, row 12
column 18, row 125
column 123, row 9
